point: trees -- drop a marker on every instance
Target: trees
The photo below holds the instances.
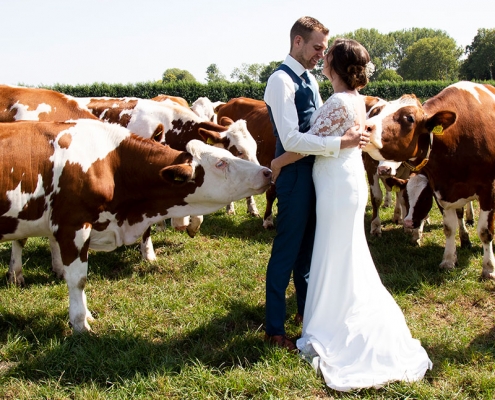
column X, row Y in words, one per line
column 405, row 38
column 434, row 58
column 213, row 75
column 176, row 74
column 268, row 70
column 439, row 54
column 480, row 61
column 247, row 73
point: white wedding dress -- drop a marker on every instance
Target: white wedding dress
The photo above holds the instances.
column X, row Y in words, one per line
column 354, row 332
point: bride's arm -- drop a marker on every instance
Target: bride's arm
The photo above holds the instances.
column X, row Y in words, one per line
column 332, row 120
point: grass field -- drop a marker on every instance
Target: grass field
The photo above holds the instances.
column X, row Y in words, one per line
column 190, row 326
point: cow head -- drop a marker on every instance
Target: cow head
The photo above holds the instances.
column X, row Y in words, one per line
column 401, row 126
column 219, row 175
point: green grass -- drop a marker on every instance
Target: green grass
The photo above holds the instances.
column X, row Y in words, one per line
column 190, row 326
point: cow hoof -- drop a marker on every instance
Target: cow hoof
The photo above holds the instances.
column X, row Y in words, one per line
column 466, row 244
column 15, row 280
column 268, row 223
column 488, row 275
column 447, row 265
column 191, row 232
column 470, row 222
column 254, row 214
column 81, row 325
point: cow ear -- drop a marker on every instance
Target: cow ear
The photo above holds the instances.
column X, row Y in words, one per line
column 225, row 121
column 210, row 137
column 159, row 134
column 177, row 174
column 441, row 119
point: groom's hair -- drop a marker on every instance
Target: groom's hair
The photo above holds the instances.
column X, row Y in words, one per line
column 304, row 27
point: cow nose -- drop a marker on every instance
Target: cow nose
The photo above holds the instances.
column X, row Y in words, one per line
column 371, row 129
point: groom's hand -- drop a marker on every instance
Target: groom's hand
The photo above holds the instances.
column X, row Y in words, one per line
column 354, row 137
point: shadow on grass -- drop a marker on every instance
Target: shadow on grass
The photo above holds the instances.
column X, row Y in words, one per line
column 107, row 358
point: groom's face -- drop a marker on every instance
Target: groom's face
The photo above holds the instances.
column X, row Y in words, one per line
column 308, row 53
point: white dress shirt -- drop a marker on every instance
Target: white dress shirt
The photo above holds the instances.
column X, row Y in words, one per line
column 280, row 96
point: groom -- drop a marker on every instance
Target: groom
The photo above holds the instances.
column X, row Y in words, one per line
column 292, row 96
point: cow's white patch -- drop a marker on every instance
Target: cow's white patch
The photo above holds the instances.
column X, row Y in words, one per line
column 18, row 198
column 473, row 89
column 457, row 204
column 91, row 140
column 23, row 114
column 82, row 236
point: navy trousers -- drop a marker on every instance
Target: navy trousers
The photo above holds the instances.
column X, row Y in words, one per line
column 293, row 245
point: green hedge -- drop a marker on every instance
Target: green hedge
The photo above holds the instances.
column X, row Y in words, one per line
column 223, row 92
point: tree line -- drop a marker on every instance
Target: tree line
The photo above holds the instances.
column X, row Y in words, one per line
column 409, row 54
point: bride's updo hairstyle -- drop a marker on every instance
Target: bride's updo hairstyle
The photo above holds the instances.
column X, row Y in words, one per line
column 351, row 61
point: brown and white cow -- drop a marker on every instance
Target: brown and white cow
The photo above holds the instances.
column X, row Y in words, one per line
column 19, row 103
column 174, row 125
column 92, row 185
column 374, row 105
column 451, row 138
column 259, row 125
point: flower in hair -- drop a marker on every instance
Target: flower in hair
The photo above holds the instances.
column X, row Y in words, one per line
column 369, row 69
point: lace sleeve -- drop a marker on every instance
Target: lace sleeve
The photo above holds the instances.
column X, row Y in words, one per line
column 333, row 118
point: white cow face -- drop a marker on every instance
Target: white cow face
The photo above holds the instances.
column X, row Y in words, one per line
column 227, row 178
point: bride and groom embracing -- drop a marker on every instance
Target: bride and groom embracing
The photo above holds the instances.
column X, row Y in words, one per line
column 353, row 332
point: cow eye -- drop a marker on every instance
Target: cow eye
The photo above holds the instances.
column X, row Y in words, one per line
column 221, row 164
column 410, row 119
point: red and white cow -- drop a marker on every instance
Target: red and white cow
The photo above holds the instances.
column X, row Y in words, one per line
column 19, row 103
column 451, row 137
column 168, row 123
column 418, row 199
column 174, row 125
column 374, row 105
column 92, row 185
column 259, row 125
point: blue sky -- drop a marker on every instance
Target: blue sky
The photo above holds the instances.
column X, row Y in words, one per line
column 129, row 41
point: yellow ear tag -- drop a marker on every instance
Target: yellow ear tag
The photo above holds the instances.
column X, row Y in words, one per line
column 396, row 189
column 438, row 130
column 210, row 141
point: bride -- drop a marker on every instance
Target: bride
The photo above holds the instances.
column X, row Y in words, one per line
column 354, row 332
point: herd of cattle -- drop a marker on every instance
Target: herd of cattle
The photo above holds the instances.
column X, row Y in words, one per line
column 96, row 173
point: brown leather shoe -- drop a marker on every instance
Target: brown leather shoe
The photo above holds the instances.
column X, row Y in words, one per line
column 298, row 319
column 281, row 341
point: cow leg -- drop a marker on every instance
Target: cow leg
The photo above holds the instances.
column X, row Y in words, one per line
column 387, row 202
column 57, row 265
column 449, row 229
column 417, row 234
column 463, row 233
column 376, row 200
column 147, row 250
column 230, row 209
column 485, row 222
column 271, row 195
column 251, row 207
column 469, row 214
column 14, row 274
column 75, row 275
column 195, row 222
column 399, row 209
